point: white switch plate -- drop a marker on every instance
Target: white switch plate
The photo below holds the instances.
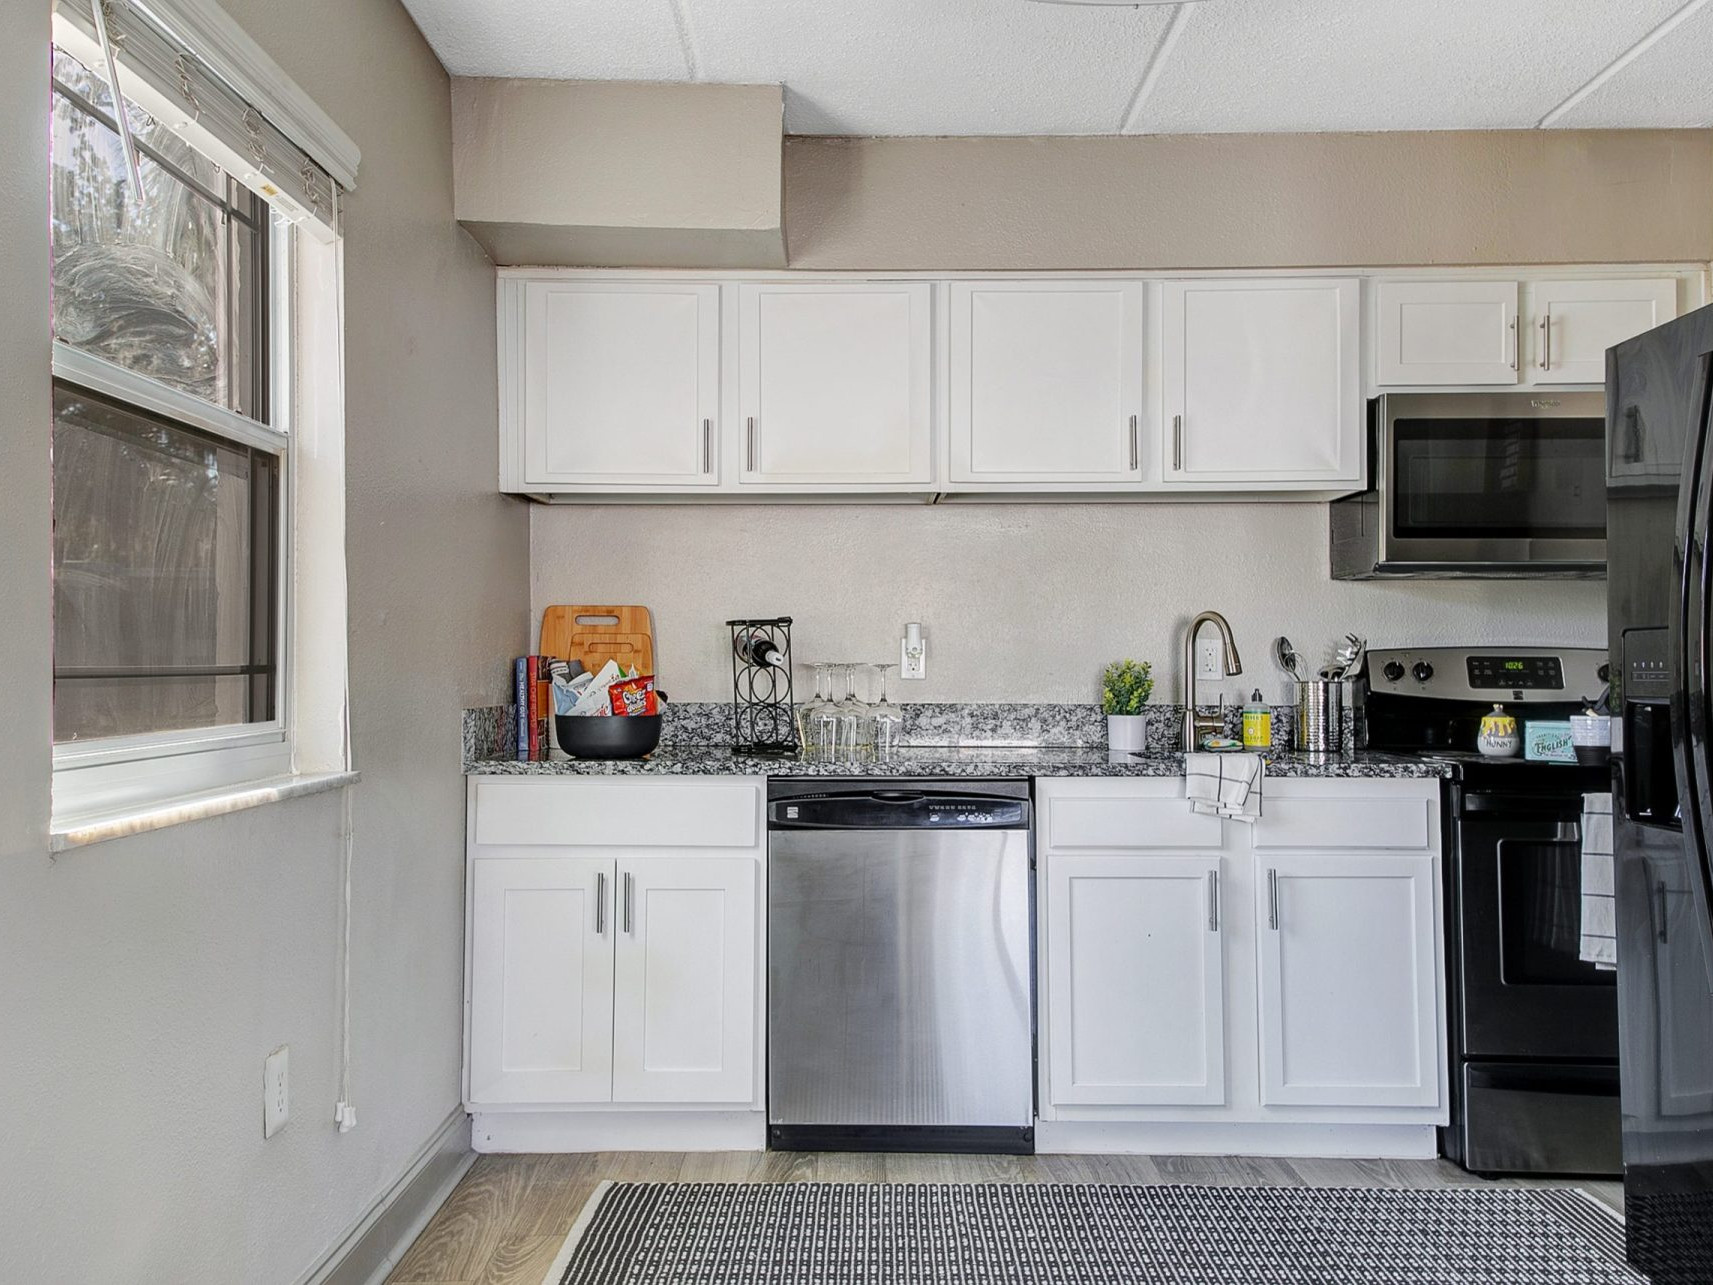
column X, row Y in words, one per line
column 1210, row 657
column 276, row 1091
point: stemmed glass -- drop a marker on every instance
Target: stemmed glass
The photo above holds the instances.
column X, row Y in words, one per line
column 886, row 718
column 821, row 716
column 853, row 717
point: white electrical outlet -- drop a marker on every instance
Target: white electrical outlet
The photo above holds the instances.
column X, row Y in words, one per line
column 1210, row 657
column 276, row 1091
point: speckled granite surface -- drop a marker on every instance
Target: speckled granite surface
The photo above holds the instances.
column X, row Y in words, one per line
column 701, row 724
column 949, row 761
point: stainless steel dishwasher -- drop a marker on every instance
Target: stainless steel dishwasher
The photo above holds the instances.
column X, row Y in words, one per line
column 900, row 939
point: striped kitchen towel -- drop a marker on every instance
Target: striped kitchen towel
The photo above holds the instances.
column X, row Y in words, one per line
column 1599, row 923
column 1227, row 785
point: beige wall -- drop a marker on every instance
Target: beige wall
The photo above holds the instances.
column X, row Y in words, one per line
column 602, row 172
column 1020, row 602
column 1234, row 200
column 142, row 981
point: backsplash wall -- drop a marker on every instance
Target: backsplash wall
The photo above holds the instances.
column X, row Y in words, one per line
column 1018, row 602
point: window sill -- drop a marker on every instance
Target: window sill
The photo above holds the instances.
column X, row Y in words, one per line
column 80, row 831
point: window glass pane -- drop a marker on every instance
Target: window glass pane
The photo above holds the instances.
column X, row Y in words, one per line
column 164, row 574
column 170, row 287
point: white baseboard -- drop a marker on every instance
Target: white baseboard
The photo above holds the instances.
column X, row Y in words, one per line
column 372, row 1245
column 1306, row 1141
column 514, row 1131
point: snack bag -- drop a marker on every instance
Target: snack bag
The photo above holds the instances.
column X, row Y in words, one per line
column 634, row 696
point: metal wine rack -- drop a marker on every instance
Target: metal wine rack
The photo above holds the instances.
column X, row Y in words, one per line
column 764, row 716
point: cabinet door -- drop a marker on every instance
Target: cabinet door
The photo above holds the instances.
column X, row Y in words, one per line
column 685, row 980
column 1262, row 383
column 1575, row 322
column 1333, row 1034
column 541, row 980
column 621, row 383
column 1446, row 332
column 836, row 382
column 1136, row 981
column 1046, row 381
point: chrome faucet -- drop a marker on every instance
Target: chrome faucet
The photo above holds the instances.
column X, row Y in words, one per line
column 1198, row 725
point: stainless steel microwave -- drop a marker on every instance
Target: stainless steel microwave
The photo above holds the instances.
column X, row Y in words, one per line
column 1478, row 485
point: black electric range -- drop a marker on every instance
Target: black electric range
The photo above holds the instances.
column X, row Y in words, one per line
column 1533, row 1028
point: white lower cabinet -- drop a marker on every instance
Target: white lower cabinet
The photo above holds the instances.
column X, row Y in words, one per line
column 684, row 980
column 605, row 971
column 541, row 980
column 1212, row 985
column 1348, row 988
column 1119, row 928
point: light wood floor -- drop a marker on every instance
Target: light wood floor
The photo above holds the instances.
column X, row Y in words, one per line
column 508, row 1217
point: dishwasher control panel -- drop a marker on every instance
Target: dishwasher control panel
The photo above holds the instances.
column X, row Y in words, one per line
column 899, row 809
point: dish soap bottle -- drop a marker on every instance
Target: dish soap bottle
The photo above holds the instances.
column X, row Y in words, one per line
column 1257, row 724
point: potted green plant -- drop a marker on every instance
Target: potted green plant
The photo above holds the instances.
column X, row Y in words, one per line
column 1124, row 690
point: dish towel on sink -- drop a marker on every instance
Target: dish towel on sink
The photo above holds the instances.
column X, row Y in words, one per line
column 1227, row 785
column 1599, row 945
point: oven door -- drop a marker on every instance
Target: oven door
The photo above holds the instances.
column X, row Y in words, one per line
column 1517, row 884
column 1501, row 482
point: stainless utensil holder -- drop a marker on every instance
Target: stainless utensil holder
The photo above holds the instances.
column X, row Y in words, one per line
column 1320, row 716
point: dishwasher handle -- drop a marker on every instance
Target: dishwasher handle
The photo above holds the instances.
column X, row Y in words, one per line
column 894, row 809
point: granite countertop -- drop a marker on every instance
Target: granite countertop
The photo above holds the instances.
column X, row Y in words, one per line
column 976, row 761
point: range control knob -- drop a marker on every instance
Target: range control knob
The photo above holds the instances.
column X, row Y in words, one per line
column 1394, row 670
column 1421, row 671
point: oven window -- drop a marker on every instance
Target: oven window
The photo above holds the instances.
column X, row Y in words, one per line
column 1540, row 916
column 1519, row 479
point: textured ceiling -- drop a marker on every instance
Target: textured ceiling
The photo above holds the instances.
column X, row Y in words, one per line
column 1014, row 67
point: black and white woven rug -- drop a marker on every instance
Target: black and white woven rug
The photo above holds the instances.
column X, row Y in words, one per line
column 1074, row 1234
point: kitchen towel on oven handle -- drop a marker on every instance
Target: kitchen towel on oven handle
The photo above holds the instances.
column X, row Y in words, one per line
column 1599, row 940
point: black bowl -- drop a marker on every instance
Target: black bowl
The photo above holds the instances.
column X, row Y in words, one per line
column 615, row 736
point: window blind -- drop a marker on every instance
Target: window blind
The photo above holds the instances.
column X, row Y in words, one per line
column 160, row 74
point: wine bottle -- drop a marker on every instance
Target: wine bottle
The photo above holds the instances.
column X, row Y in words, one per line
column 757, row 648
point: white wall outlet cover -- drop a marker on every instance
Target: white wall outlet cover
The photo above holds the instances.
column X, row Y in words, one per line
column 1210, row 657
column 276, row 1091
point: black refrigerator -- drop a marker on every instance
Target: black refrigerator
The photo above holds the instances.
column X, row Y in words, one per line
column 1659, row 470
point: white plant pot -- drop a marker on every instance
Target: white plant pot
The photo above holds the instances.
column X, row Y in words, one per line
column 1126, row 733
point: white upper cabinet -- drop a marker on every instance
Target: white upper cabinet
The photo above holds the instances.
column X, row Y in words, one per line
column 1117, row 926
column 1446, row 332
column 1263, row 383
column 1473, row 333
column 1575, row 322
column 1046, row 382
column 620, row 384
column 1334, row 1034
column 835, row 383
column 541, row 980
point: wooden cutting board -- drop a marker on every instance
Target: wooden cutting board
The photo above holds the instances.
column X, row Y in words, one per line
column 597, row 634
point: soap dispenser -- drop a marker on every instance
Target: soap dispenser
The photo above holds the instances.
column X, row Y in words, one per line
column 1257, row 724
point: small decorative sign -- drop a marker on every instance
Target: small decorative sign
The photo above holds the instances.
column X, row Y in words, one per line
column 1549, row 742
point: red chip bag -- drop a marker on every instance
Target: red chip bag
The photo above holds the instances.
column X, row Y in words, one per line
column 634, row 696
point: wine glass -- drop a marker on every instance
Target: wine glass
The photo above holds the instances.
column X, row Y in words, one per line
column 886, row 718
column 853, row 717
column 821, row 715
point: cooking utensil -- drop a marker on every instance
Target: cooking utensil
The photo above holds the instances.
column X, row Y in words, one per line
column 1287, row 658
column 597, row 634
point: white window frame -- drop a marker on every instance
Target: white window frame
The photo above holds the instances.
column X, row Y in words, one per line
column 115, row 774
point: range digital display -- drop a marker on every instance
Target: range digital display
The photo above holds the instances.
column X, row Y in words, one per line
column 1516, row 673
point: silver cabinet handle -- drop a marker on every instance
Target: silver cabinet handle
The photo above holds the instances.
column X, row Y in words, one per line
column 630, row 902
column 1135, row 444
column 1273, row 900
column 1213, row 901
column 600, row 903
column 1664, row 931
column 1514, row 344
column 1546, row 342
column 749, row 444
column 707, row 446
column 1178, row 442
